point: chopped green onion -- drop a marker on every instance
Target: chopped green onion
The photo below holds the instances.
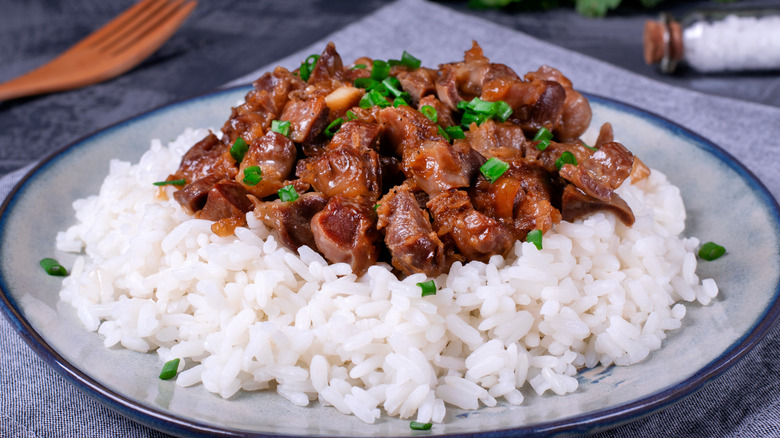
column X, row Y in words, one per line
column 399, row 101
column 373, row 98
column 350, row 116
column 381, row 89
column 711, row 251
column 502, row 110
column 565, row 158
column 307, row 66
column 334, row 127
column 366, row 83
column 455, row 132
column 410, row 61
column 481, row 106
column 173, row 182
column 429, row 112
column 462, row 105
column 394, row 86
column 287, row 193
column 360, row 66
column 170, row 369
column 53, row 267
column 594, row 149
column 238, row 149
column 493, row 169
column 416, row 425
column 428, row 288
column 535, row 237
column 376, row 207
column 543, row 144
column 543, row 134
column 380, row 70
column 281, row 126
column 470, row 117
column 253, row 175
column 443, row 133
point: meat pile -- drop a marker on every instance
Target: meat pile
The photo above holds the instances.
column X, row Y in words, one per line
column 392, row 174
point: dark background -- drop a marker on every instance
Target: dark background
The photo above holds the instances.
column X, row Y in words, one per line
column 223, row 40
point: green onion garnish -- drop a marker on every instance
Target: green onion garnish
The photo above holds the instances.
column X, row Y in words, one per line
column 287, row 193
column 711, row 251
column 565, row 158
column 334, row 127
column 238, row 149
column 543, row 134
column 493, row 169
column 594, row 149
column 416, row 425
column 53, row 267
column 502, row 110
column 376, row 206
column 535, row 237
column 170, row 369
column 429, row 112
column 173, row 182
column 455, row 132
column 372, row 98
column 360, row 66
column 380, row 70
column 365, row 83
column 394, row 86
column 307, row 66
column 443, row 133
column 410, row 61
column 480, row 106
column 350, row 116
column 428, row 288
column 252, row 175
column 399, row 101
column 281, row 126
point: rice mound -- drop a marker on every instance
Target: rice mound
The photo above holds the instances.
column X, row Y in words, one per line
column 244, row 313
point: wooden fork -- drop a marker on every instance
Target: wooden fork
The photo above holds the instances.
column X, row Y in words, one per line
column 115, row 48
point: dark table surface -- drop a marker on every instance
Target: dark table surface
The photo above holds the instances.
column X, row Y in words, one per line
column 224, row 40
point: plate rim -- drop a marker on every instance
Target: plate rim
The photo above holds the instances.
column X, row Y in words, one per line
column 603, row 419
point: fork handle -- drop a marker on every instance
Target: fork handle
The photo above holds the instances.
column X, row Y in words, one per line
column 38, row 81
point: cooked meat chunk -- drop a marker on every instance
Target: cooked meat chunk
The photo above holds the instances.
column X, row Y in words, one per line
column 345, row 232
column 356, row 135
column 504, row 141
column 477, row 236
column 207, row 157
column 639, row 171
column 409, row 236
column 535, row 104
column 404, row 129
column 329, row 66
column 348, row 172
column 576, row 109
column 226, row 199
column 521, row 198
column 601, row 173
column 443, row 112
column 606, row 135
column 575, row 204
column 418, row 83
column 292, row 220
column 308, row 118
column 275, row 155
column 193, row 196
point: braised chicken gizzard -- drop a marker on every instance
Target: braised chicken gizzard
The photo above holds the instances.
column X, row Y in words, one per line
column 389, row 160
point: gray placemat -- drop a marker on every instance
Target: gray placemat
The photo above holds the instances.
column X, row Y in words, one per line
column 743, row 402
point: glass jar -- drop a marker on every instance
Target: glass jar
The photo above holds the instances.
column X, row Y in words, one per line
column 715, row 41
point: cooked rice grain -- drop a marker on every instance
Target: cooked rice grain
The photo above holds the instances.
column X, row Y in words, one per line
column 244, row 313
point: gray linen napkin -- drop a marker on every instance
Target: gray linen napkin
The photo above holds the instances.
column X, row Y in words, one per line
column 743, row 402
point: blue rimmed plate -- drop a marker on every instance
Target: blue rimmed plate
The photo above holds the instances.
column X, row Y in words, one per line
column 719, row 193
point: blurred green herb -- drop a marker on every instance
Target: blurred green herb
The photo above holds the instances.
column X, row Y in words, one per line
column 588, row 8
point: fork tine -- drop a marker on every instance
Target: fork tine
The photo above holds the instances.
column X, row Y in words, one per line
column 110, row 27
column 133, row 34
column 124, row 30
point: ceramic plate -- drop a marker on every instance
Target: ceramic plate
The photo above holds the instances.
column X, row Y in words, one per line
column 725, row 203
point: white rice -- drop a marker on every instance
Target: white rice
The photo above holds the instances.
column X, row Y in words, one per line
column 245, row 313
